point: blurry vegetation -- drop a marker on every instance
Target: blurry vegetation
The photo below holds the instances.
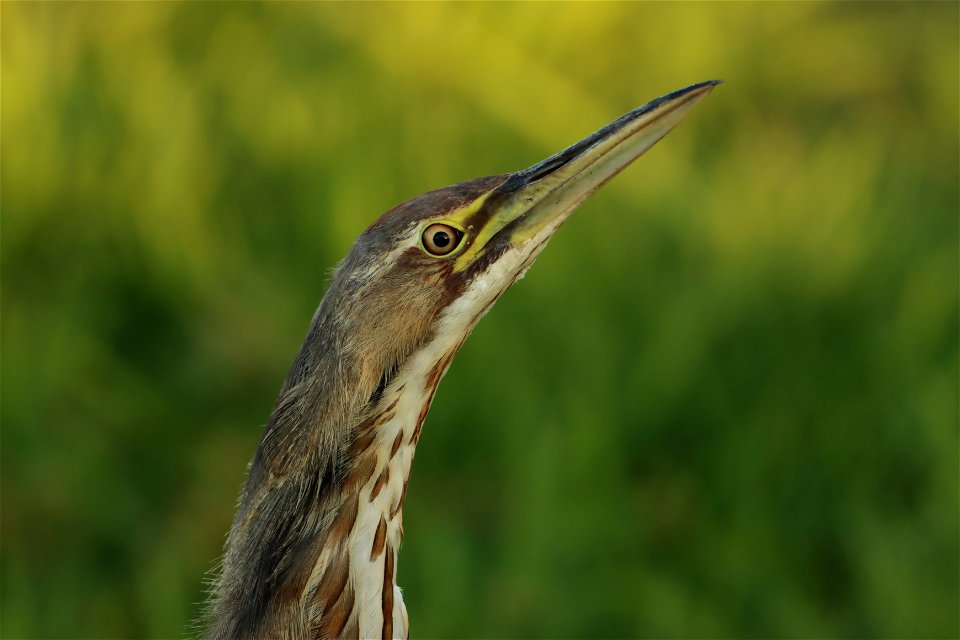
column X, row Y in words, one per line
column 724, row 403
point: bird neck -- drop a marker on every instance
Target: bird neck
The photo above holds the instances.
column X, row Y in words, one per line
column 314, row 543
column 362, row 559
column 353, row 583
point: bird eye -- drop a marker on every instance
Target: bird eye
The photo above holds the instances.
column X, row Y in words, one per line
column 441, row 239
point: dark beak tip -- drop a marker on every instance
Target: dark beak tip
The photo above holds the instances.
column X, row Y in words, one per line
column 707, row 85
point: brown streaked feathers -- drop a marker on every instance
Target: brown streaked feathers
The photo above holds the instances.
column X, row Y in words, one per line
column 300, row 496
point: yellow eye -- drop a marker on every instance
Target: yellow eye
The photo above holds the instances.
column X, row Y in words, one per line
column 441, row 239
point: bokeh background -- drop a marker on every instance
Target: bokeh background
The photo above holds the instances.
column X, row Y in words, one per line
column 724, row 403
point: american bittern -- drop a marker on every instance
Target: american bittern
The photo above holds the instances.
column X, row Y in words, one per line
column 312, row 551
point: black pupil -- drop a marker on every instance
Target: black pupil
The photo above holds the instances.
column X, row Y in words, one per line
column 441, row 239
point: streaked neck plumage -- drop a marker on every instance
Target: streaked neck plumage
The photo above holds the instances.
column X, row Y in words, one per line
column 329, row 567
column 313, row 548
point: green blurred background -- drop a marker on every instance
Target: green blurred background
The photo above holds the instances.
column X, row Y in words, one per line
column 724, row 403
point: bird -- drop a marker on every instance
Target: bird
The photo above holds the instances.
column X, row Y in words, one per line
column 312, row 551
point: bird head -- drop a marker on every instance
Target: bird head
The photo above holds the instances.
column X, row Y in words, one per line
column 428, row 269
column 420, row 277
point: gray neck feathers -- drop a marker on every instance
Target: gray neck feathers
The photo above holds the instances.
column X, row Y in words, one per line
column 309, row 466
column 296, row 482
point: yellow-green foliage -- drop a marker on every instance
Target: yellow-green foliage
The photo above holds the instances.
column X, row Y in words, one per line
column 723, row 404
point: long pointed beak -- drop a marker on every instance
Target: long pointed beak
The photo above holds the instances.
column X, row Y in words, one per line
column 545, row 195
